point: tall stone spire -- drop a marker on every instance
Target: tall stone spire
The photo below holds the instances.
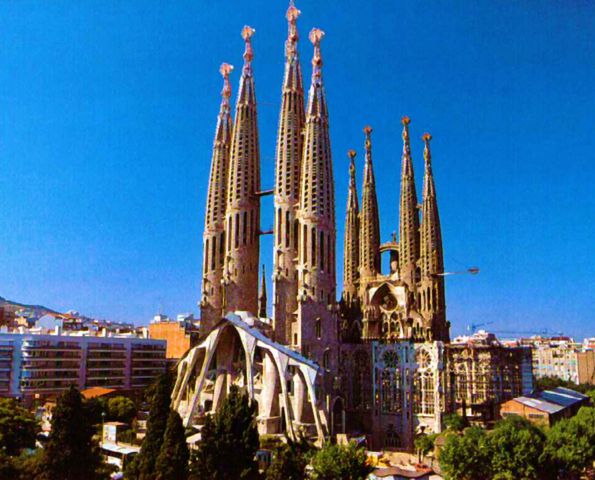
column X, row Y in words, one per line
column 316, row 209
column 431, row 288
column 214, row 231
column 316, row 266
column 351, row 241
column 242, row 216
column 262, row 297
column 369, row 250
column 287, row 184
column 408, row 215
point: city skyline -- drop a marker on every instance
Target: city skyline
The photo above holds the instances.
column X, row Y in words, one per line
column 532, row 274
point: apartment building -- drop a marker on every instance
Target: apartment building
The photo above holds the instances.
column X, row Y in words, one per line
column 180, row 334
column 39, row 365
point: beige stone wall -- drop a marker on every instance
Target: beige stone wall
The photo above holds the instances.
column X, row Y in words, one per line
column 586, row 366
column 512, row 407
column 178, row 341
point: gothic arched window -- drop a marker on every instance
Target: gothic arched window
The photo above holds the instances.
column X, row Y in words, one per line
column 423, row 384
column 389, row 386
column 362, row 382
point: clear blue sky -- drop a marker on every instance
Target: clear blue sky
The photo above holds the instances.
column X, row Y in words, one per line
column 107, row 114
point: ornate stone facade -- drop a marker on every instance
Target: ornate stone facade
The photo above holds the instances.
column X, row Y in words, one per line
column 379, row 361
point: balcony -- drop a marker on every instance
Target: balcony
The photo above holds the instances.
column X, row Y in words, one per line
column 148, row 360
column 105, row 385
column 44, row 379
column 44, row 354
column 149, row 353
column 53, row 348
column 107, row 348
column 50, row 369
column 34, row 389
column 95, row 366
column 106, row 377
column 153, row 374
column 107, row 356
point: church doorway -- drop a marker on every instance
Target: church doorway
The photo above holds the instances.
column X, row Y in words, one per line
column 338, row 414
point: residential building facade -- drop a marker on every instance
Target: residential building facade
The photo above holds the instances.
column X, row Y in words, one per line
column 180, row 334
column 37, row 366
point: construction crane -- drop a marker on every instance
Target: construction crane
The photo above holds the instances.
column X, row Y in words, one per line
column 472, row 327
column 470, row 270
column 544, row 331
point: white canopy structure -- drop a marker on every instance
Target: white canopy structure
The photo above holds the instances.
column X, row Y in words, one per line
column 280, row 380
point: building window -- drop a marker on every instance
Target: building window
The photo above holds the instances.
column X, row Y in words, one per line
column 391, row 438
column 423, row 393
column 361, row 386
column 326, row 359
column 318, row 328
column 390, row 383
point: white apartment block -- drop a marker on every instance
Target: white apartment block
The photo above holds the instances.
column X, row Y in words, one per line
column 556, row 358
column 37, row 365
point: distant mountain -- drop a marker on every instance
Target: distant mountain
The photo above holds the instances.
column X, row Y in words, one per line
column 11, row 303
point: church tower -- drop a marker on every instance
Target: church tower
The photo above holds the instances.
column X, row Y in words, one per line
column 214, row 232
column 369, row 250
column 287, row 185
column 369, row 242
column 316, row 327
column 408, row 216
column 242, row 216
column 351, row 240
column 431, row 287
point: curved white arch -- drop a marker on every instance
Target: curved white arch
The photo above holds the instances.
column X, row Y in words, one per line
column 251, row 338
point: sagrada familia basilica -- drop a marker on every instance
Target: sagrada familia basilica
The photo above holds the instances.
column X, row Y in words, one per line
column 379, row 361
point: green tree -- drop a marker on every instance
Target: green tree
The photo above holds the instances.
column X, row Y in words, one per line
column 121, row 409
column 96, row 408
column 71, row 453
column 455, row 422
column 8, row 467
column 466, row 456
column 516, row 446
column 570, row 444
column 142, row 467
column 229, row 441
column 345, row 462
column 18, row 427
column 549, row 383
column 172, row 462
column 424, row 444
column 289, row 461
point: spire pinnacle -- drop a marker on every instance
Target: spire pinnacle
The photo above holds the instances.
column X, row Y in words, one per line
column 352, row 154
column 316, row 36
column 247, row 33
column 368, row 143
column 292, row 34
column 225, row 69
column 427, row 154
column 406, row 144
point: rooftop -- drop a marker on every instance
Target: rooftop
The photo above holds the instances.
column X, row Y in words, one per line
column 95, row 392
column 539, row 404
